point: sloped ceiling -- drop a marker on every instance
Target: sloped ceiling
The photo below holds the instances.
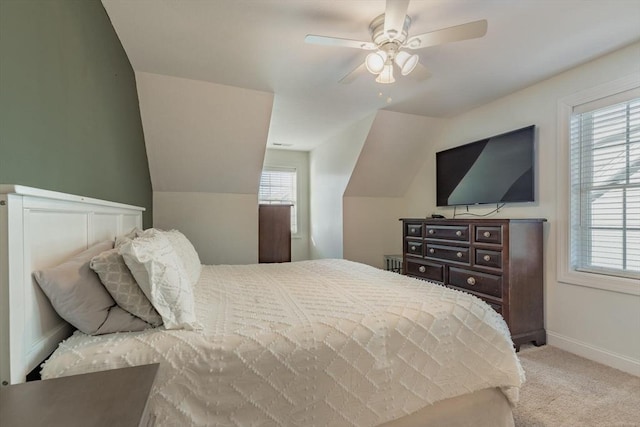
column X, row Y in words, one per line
column 201, row 136
column 219, row 81
column 392, row 154
column 259, row 45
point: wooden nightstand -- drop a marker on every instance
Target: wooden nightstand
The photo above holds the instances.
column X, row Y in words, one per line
column 116, row 397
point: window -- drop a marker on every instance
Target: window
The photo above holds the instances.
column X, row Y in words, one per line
column 605, row 187
column 278, row 186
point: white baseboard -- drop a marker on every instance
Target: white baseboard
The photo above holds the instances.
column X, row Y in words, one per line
column 597, row 354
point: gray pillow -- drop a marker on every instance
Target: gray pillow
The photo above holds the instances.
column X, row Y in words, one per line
column 78, row 296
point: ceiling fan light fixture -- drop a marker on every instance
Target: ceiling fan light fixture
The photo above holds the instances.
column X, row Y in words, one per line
column 375, row 62
column 406, row 62
column 389, row 33
column 386, row 75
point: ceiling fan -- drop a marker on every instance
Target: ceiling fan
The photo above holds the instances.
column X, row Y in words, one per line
column 390, row 41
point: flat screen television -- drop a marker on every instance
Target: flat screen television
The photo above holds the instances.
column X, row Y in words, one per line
column 494, row 170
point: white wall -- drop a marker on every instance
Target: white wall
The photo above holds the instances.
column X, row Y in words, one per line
column 372, row 228
column 300, row 161
column 598, row 324
column 222, row 227
column 330, row 167
column 206, row 144
column 393, row 152
column 202, row 136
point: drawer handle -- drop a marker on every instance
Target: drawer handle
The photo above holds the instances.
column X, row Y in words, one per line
column 487, row 234
column 413, row 248
column 422, row 269
column 432, row 251
column 487, row 258
column 459, row 254
column 432, row 231
column 471, row 281
column 458, row 233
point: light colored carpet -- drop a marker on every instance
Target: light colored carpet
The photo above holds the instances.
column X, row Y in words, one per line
column 563, row 389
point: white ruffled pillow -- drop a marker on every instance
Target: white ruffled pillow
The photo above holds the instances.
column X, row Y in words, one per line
column 186, row 252
column 124, row 238
column 161, row 276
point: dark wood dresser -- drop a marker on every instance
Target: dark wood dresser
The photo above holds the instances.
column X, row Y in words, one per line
column 274, row 233
column 497, row 260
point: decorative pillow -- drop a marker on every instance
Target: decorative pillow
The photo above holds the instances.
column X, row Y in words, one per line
column 79, row 298
column 161, row 276
column 117, row 279
column 186, row 252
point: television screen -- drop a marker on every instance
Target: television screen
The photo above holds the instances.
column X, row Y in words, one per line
column 499, row 169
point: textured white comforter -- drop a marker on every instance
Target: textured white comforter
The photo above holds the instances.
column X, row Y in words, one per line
column 313, row 343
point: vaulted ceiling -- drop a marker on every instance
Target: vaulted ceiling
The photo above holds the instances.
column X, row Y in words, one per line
column 259, row 45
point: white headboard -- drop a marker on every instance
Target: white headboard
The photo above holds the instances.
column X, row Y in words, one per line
column 38, row 229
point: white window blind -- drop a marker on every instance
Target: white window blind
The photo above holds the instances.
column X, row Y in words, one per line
column 278, row 186
column 605, row 188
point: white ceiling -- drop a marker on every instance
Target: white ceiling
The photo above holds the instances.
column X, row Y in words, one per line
column 259, row 44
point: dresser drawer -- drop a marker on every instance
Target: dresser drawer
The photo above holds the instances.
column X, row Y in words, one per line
column 447, row 253
column 426, row 270
column 487, row 258
column 474, row 281
column 413, row 247
column 413, row 230
column 458, row 233
column 489, row 234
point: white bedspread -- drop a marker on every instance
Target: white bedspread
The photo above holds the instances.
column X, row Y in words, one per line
column 313, row 343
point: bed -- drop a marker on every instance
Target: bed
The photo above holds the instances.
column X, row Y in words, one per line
column 325, row 342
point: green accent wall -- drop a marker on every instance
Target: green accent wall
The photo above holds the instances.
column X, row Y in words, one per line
column 69, row 114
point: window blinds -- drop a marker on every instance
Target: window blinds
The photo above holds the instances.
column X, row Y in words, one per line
column 278, row 186
column 605, row 188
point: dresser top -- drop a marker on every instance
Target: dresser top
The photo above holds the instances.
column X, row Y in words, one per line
column 473, row 220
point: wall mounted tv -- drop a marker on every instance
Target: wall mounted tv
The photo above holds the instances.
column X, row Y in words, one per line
column 495, row 170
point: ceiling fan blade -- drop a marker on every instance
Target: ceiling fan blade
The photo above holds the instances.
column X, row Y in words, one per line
column 338, row 42
column 420, row 73
column 357, row 72
column 394, row 15
column 466, row 31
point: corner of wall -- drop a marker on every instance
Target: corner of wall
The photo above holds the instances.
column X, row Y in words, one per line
column 330, row 167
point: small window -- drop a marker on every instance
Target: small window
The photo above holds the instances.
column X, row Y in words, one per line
column 605, row 189
column 278, row 186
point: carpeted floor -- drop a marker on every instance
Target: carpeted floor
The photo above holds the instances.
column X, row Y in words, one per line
column 563, row 389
